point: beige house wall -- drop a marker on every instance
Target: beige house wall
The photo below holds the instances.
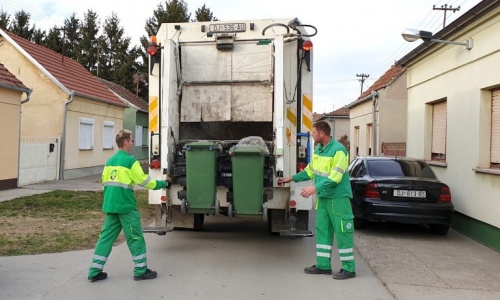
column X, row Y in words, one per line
column 392, row 113
column 43, row 114
column 464, row 78
column 10, row 108
column 99, row 112
column 360, row 116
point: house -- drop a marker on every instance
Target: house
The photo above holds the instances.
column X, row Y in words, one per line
column 378, row 117
column 71, row 112
column 338, row 121
column 136, row 119
column 11, row 99
column 454, row 116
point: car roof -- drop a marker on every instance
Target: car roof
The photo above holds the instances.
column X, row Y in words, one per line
column 381, row 158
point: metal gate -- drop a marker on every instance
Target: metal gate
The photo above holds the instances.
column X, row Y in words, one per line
column 39, row 160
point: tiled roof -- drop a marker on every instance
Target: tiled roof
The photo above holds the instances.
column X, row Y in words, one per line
column 7, row 78
column 340, row 113
column 385, row 80
column 68, row 72
column 126, row 95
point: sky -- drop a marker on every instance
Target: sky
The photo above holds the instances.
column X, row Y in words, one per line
column 354, row 37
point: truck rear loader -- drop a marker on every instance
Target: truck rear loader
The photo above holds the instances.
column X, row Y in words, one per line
column 231, row 112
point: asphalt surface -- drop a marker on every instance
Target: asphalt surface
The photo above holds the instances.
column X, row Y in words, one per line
column 394, row 262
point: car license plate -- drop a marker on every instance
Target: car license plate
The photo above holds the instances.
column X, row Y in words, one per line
column 229, row 27
column 409, row 193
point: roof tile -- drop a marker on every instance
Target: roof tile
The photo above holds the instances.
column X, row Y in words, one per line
column 126, row 94
column 68, row 71
column 7, row 78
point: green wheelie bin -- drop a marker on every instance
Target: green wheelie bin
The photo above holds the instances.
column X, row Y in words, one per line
column 248, row 179
column 201, row 176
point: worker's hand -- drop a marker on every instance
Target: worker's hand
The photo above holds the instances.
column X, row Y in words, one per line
column 284, row 180
column 308, row 191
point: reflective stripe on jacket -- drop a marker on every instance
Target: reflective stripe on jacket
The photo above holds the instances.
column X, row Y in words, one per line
column 120, row 174
column 328, row 167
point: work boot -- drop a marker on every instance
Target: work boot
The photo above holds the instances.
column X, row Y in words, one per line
column 150, row 274
column 100, row 276
column 314, row 270
column 343, row 274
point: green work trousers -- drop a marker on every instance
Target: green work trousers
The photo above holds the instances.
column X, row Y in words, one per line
column 131, row 224
column 334, row 216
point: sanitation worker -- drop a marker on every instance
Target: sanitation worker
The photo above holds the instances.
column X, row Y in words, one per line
column 121, row 172
column 333, row 207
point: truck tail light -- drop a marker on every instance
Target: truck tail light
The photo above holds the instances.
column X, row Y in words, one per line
column 293, row 203
column 371, row 191
column 301, row 166
column 163, row 199
column 155, row 164
column 445, row 194
column 307, row 45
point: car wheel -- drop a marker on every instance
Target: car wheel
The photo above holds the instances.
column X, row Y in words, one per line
column 359, row 223
column 439, row 229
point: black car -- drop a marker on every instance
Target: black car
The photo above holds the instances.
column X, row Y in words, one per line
column 399, row 189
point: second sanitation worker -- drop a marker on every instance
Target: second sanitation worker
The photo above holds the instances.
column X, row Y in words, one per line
column 328, row 168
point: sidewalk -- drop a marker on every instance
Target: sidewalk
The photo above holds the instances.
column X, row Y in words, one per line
column 89, row 183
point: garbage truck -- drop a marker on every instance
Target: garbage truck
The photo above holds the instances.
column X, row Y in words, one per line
column 231, row 112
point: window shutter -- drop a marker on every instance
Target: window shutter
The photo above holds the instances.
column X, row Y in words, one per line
column 108, row 135
column 495, row 127
column 439, row 130
column 138, row 136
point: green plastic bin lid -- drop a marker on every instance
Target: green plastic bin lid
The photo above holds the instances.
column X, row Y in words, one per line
column 255, row 150
column 201, row 145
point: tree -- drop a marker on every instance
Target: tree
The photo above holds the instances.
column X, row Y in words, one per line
column 203, row 14
column 118, row 61
column 90, row 43
column 72, row 36
column 21, row 25
column 54, row 40
column 39, row 36
column 4, row 19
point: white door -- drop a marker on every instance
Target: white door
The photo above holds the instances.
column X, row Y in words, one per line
column 39, row 160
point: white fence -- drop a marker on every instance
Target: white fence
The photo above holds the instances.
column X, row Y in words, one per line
column 39, row 160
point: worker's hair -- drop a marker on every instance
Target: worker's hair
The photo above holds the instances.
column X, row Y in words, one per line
column 323, row 126
column 122, row 136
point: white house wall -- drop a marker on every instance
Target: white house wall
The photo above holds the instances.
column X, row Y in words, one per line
column 464, row 78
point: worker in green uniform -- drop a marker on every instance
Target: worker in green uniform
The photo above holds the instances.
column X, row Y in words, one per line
column 334, row 215
column 120, row 173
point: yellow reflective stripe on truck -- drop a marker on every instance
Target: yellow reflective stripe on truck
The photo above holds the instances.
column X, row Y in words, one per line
column 307, row 112
column 153, row 114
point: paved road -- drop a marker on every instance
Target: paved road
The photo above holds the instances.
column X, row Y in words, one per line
column 239, row 260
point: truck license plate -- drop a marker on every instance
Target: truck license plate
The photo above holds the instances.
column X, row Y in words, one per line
column 230, row 27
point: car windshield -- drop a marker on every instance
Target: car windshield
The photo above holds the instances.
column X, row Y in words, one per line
column 400, row 168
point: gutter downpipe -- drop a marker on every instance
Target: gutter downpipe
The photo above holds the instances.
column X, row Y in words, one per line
column 28, row 95
column 374, row 96
column 63, row 137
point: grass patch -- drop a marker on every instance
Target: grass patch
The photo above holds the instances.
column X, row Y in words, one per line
column 57, row 221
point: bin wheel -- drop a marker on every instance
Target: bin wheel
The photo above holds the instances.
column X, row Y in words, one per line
column 217, row 207
column 230, row 210
column 183, row 207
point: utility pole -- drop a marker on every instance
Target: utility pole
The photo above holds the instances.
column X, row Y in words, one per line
column 363, row 78
column 445, row 8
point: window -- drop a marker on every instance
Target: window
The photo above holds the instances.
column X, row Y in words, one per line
column 86, row 134
column 108, row 135
column 141, row 136
column 400, row 168
column 495, row 130
column 438, row 146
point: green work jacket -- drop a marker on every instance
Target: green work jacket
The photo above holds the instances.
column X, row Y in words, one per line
column 120, row 174
column 328, row 167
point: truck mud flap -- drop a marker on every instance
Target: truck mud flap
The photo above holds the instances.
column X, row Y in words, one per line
column 296, row 233
column 157, row 229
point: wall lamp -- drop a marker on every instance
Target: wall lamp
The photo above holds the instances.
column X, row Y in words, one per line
column 411, row 35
